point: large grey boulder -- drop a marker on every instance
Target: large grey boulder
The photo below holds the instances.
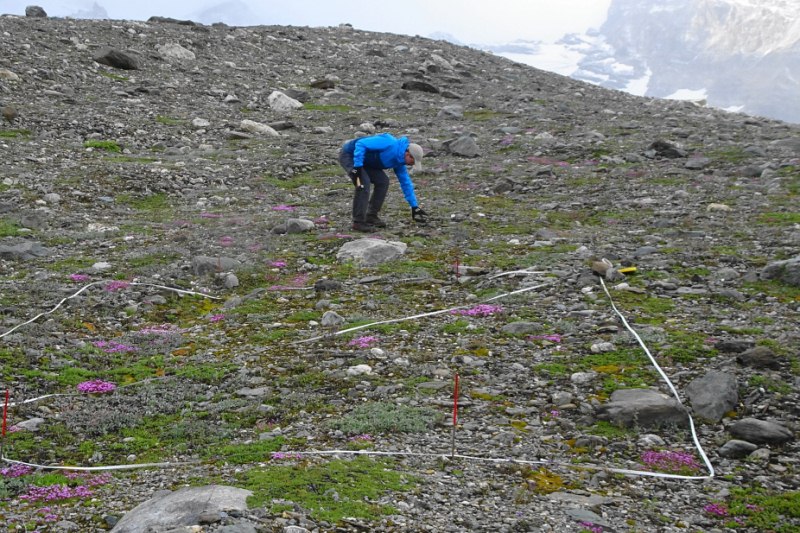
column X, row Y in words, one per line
column 713, row 395
column 116, row 59
column 279, row 101
column 182, row 508
column 370, row 252
column 642, row 408
column 175, row 52
column 761, row 431
column 787, row 271
column 23, row 251
column 251, row 126
column 464, row 146
column 35, row 12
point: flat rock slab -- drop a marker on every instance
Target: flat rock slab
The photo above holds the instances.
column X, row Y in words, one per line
column 644, row 408
column 182, row 508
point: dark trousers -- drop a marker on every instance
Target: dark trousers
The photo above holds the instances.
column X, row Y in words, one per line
column 372, row 179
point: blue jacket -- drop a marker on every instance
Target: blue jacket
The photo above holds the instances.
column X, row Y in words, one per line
column 384, row 151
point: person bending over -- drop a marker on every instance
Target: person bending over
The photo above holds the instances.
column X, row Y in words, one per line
column 365, row 160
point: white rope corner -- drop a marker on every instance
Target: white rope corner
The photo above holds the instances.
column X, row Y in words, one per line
column 666, row 379
column 641, row 473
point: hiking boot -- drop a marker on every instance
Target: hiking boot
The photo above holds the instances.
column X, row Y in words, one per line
column 363, row 227
column 375, row 221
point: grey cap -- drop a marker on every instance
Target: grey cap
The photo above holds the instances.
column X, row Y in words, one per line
column 416, row 152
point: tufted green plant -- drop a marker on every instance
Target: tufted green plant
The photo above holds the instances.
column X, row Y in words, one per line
column 108, row 146
column 383, row 417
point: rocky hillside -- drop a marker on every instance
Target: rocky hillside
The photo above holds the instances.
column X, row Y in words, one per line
column 180, row 288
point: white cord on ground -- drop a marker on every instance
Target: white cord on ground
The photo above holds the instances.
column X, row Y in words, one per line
column 59, row 304
column 94, row 468
column 432, row 313
column 643, row 473
column 663, row 377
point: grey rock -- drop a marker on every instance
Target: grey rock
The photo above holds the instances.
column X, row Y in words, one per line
column 451, row 111
column 332, row 319
column 35, row 12
column 759, row 357
column 642, row 408
column 279, row 101
column 464, row 146
column 371, row 252
column 713, row 395
column 667, row 149
column 423, row 86
column 328, row 285
column 787, row 271
column 736, row 449
column 174, row 52
column 182, row 508
column 733, row 345
column 23, row 251
column 117, row 59
column 31, row 424
column 761, row 431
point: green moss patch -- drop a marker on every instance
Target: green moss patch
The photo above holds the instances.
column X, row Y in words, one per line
column 331, row 491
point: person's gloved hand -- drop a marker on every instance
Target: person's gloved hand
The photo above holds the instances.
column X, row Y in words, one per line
column 355, row 177
column 419, row 215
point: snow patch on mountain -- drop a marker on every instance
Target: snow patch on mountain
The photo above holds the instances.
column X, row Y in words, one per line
column 740, row 55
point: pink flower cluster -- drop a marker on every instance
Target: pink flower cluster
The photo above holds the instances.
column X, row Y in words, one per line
column 16, row 471
column 217, row 318
column 363, row 342
column 79, row 277
column 670, row 461
column 361, row 438
column 278, row 263
column 47, row 514
column 591, row 526
column 114, row 286
column 551, row 338
column 114, row 346
column 276, row 456
column 283, row 207
column 716, row 509
column 298, row 281
column 478, row 310
column 96, row 386
column 55, row 493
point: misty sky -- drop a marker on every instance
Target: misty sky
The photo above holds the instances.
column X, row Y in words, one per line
column 470, row 21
